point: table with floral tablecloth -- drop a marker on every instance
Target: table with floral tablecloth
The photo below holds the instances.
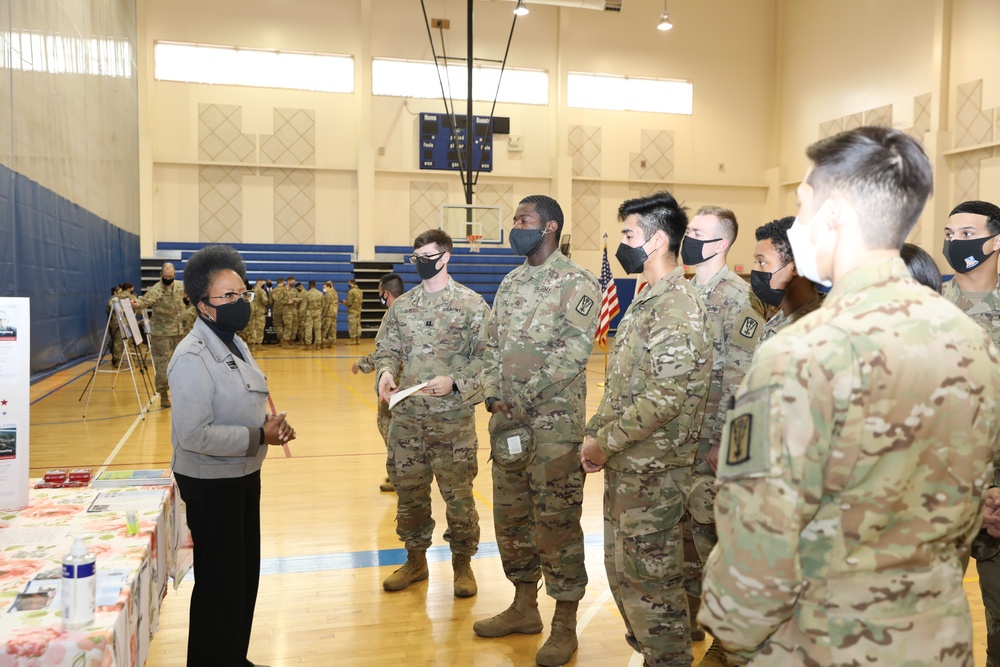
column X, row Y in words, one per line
column 121, row 632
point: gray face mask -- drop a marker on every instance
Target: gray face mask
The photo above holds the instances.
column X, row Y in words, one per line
column 525, row 241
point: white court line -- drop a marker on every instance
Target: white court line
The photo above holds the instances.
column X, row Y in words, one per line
column 118, row 447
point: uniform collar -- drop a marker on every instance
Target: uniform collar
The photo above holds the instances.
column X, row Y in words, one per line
column 714, row 280
column 858, row 279
column 664, row 284
column 528, row 270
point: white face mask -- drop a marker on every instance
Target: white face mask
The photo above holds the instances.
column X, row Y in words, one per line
column 804, row 251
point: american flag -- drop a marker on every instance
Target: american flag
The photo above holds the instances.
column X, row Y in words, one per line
column 609, row 301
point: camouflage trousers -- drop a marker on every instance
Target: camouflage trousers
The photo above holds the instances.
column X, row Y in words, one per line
column 289, row 323
column 699, row 527
column 644, row 559
column 313, row 331
column 116, row 343
column 439, row 446
column 383, row 419
column 989, row 585
column 536, row 512
column 300, row 326
column 161, row 348
column 277, row 319
column 257, row 330
column 354, row 325
column 329, row 330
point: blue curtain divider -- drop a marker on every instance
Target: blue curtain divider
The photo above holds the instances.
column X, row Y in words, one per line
column 65, row 259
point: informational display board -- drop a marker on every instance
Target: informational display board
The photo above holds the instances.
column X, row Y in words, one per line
column 444, row 149
column 129, row 314
column 15, row 381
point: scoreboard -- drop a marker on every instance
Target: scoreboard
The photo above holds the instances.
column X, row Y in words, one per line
column 440, row 144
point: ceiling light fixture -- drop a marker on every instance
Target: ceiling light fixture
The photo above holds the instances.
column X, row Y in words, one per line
column 664, row 23
column 521, row 9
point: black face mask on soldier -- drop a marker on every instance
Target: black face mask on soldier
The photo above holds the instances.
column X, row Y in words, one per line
column 692, row 250
column 965, row 254
column 167, row 282
column 427, row 270
column 760, row 283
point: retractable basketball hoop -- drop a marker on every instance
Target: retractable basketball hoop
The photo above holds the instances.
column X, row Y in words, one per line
column 475, row 240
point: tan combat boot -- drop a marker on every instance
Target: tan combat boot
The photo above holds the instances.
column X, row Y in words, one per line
column 414, row 569
column 715, row 656
column 465, row 580
column 386, row 486
column 521, row 616
column 561, row 644
column 697, row 632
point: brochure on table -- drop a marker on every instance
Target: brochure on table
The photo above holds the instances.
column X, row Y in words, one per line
column 15, row 378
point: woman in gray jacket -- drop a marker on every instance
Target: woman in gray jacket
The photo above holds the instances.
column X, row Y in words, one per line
column 220, row 432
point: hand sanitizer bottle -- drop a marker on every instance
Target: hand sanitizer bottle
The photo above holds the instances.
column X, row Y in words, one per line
column 79, row 586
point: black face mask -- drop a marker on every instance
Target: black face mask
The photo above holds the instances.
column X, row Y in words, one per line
column 965, row 254
column 383, row 300
column 167, row 282
column 631, row 259
column 525, row 241
column 233, row 316
column 760, row 283
column 427, row 270
column 692, row 249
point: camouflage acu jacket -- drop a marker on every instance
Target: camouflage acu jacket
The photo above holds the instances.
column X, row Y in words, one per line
column 167, row 306
column 427, row 335
column 851, row 477
column 538, row 342
column 657, row 380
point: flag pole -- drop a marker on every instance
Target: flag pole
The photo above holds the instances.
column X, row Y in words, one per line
column 604, row 344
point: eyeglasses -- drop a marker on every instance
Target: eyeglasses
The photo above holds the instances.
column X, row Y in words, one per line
column 425, row 259
column 232, row 297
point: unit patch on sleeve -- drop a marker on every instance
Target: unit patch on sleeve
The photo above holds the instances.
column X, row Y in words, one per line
column 586, row 303
column 745, row 446
column 749, row 327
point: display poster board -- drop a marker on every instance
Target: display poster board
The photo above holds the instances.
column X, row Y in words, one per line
column 133, row 325
column 15, row 383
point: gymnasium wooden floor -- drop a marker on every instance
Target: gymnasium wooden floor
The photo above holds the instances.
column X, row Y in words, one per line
column 328, row 533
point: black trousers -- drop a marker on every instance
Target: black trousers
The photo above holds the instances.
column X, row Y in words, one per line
column 224, row 518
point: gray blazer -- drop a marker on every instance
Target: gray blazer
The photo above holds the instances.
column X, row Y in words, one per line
column 219, row 404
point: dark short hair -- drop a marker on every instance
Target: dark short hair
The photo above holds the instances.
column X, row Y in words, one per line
column 776, row 231
column 548, row 209
column 436, row 236
column 201, row 267
column 921, row 266
column 127, row 286
column 291, row 277
column 312, row 283
column 727, row 221
column 991, row 211
column 392, row 283
column 884, row 173
column 658, row 211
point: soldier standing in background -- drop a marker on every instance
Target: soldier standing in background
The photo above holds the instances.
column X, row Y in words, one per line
column 302, row 313
column 278, row 309
column 433, row 334
column 314, row 316
column 972, row 239
column 538, row 342
column 331, row 306
column 774, row 265
column 853, row 471
column 736, row 327
column 353, row 302
column 166, row 300
column 390, row 288
column 258, row 317
column 289, row 312
column 645, row 432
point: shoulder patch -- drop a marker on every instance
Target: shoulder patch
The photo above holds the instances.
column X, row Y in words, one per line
column 586, row 303
column 745, row 446
column 748, row 328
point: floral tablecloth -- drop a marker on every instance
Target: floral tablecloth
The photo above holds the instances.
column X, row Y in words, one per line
column 121, row 633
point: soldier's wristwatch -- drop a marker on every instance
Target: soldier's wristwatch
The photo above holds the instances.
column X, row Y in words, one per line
column 489, row 403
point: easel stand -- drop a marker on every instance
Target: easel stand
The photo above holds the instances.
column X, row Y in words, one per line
column 130, row 352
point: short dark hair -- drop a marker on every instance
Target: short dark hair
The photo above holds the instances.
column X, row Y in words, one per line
column 776, row 231
column 291, row 277
column 921, row 266
column 658, row 211
column 548, row 209
column 202, row 266
column 312, row 284
column 436, row 236
column 727, row 221
column 884, row 173
column 991, row 211
column 392, row 283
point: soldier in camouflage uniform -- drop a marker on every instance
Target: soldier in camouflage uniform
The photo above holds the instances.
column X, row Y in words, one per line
column 117, row 292
column 277, row 301
column 166, row 300
column 853, row 471
column 774, row 265
column 289, row 312
column 331, row 305
column 645, row 432
column 972, row 239
column 354, row 300
column 538, row 343
column 390, row 288
column 313, row 316
column 433, row 333
column 736, row 327
column 302, row 313
column 189, row 316
column 258, row 317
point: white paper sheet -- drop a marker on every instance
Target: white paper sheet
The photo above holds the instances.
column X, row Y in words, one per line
column 403, row 393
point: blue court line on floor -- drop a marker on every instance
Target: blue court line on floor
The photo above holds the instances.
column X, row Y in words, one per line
column 67, row 382
column 378, row 558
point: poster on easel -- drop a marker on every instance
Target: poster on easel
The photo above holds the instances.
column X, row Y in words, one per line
column 133, row 324
column 15, row 382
